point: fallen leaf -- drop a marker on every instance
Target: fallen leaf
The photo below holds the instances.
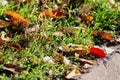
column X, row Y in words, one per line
column 12, row 68
column 16, row 46
column 91, row 62
column 15, row 16
column 49, row 60
column 58, row 33
column 79, row 49
column 4, row 38
column 105, row 35
column 3, row 24
column 87, row 18
column 87, row 66
column 48, row 13
column 69, row 29
column 74, row 73
column 97, row 52
column 55, row 13
column 64, row 48
column 62, row 59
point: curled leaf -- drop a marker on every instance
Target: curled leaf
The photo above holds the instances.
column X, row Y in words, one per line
column 62, row 59
column 87, row 18
column 104, row 35
column 15, row 16
column 79, row 49
column 91, row 62
column 16, row 46
column 4, row 38
column 97, row 52
column 87, row 66
column 3, row 24
column 74, row 73
column 12, row 68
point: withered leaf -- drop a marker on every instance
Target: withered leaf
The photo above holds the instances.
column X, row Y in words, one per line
column 12, row 68
column 16, row 46
column 4, row 38
column 3, row 23
column 87, row 18
column 49, row 60
column 86, row 65
column 104, row 35
column 69, row 29
column 62, row 59
column 74, row 73
column 15, row 16
column 58, row 33
column 91, row 62
column 80, row 49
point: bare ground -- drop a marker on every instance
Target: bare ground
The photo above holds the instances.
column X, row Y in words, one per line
column 105, row 69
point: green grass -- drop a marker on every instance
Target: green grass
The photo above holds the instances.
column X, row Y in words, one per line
column 36, row 49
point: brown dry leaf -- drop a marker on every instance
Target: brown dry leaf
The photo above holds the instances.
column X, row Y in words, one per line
column 87, row 18
column 3, row 24
column 62, row 59
column 79, row 49
column 91, row 62
column 12, row 68
column 74, row 73
column 58, row 33
column 105, row 35
column 16, row 46
column 69, row 29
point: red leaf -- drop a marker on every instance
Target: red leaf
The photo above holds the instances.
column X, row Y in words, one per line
column 97, row 52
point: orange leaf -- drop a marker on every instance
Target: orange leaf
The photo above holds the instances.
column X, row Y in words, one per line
column 105, row 35
column 87, row 18
column 54, row 13
column 48, row 13
column 17, row 17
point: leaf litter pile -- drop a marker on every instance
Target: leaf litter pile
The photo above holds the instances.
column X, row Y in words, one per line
column 55, row 39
